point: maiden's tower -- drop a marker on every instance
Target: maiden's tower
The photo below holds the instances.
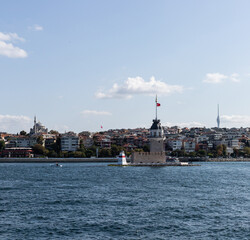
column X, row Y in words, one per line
column 157, row 149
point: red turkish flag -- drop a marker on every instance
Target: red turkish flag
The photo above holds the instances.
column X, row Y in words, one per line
column 158, row 104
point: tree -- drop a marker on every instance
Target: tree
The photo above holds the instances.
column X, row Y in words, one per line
column 53, row 132
column 247, row 150
column 82, row 147
column 56, row 146
column 192, row 154
column 146, row 148
column 224, row 150
column 79, row 154
column 219, row 150
column 89, row 153
column 40, row 150
column 105, row 152
column 39, row 140
column 64, row 154
column 138, row 150
column 202, row 153
column 115, row 150
column 23, row 133
column 210, row 155
column 52, row 154
column 2, row 145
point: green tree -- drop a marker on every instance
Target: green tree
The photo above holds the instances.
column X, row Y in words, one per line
column 82, row 147
column 2, row 145
column 224, row 150
column 192, row 154
column 178, row 153
column 23, row 133
column 64, row 154
column 219, row 150
column 210, row 155
column 89, row 153
column 53, row 132
column 105, row 152
column 202, row 153
column 39, row 140
column 138, row 150
column 146, row 148
column 115, row 150
column 247, row 150
column 40, row 150
column 79, row 154
column 52, row 154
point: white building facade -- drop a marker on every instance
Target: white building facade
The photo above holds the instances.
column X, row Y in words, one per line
column 70, row 142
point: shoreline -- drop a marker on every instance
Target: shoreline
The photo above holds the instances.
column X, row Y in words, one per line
column 105, row 160
column 54, row 160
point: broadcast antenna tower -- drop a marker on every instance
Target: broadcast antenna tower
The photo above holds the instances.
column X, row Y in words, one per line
column 218, row 117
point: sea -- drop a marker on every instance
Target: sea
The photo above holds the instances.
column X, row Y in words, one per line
column 97, row 201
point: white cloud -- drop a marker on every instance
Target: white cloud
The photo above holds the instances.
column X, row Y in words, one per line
column 13, row 124
column 236, row 120
column 138, row 85
column 235, row 77
column 36, row 27
column 187, row 124
column 10, row 37
column 214, row 78
column 96, row 113
column 8, row 49
column 61, row 128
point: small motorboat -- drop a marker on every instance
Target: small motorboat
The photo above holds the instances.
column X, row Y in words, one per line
column 56, row 165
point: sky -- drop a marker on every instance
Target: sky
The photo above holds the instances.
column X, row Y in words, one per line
column 82, row 64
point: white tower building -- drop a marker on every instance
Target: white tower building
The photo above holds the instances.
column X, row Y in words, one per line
column 122, row 158
column 218, row 117
column 156, row 133
column 156, row 137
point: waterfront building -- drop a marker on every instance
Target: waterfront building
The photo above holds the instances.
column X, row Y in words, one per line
column 233, row 143
column 189, row 145
column 17, row 152
column 21, row 142
column 70, row 142
column 102, row 141
column 174, row 144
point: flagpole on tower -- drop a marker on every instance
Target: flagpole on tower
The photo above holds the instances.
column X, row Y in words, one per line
column 156, row 107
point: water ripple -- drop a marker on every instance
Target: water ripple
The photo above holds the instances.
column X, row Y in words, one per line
column 94, row 201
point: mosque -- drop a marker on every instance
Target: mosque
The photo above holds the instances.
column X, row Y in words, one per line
column 38, row 128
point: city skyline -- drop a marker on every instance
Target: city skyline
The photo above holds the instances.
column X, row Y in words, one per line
column 79, row 66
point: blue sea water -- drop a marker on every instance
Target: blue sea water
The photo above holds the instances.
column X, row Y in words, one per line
column 95, row 201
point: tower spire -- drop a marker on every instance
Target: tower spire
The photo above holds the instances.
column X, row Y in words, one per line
column 218, row 117
column 35, row 123
column 156, row 107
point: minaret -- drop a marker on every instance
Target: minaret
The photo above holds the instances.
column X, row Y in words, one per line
column 35, row 124
column 218, row 117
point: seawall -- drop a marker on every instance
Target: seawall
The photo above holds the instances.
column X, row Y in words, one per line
column 214, row 159
column 53, row 160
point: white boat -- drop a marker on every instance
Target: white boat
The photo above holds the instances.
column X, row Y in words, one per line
column 56, row 165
